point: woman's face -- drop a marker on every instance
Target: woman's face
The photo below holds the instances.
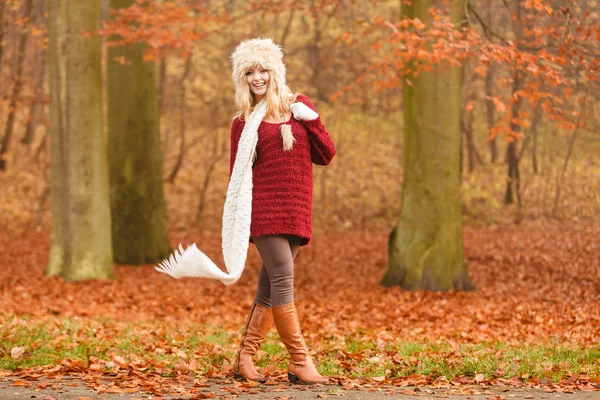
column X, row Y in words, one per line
column 258, row 80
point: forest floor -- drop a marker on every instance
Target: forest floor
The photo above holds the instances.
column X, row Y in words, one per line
column 532, row 327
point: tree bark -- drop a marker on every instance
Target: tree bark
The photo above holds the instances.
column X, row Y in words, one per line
column 489, row 91
column 16, row 92
column 81, row 237
column 182, row 118
column 513, row 185
column 37, row 107
column 563, row 171
column 426, row 246
column 2, row 4
column 490, row 114
column 537, row 115
column 139, row 214
column 39, row 72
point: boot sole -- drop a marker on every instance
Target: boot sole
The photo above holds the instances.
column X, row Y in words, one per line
column 242, row 378
column 294, row 379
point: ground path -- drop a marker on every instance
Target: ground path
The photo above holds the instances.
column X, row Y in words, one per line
column 73, row 389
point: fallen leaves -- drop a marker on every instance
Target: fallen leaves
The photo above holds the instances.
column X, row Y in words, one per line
column 530, row 280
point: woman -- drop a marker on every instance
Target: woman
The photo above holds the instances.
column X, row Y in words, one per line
column 291, row 137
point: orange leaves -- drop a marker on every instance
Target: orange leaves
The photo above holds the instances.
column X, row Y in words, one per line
column 162, row 27
column 564, row 59
column 500, row 106
column 539, row 5
column 413, row 46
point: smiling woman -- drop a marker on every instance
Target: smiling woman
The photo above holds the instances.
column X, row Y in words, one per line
column 276, row 136
column 289, row 138
column 258, row 80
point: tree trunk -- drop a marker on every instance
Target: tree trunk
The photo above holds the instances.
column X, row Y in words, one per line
column 513, row 186
column 2, row 4
column 426, row 246
column 39, row 72
column 16, row 92
column 537, row 115
column 182, row 118
column 162, row 77
column 139, row 214
column 467, row 130
column 490, row 108
column 81, row 238
column 38, row 106
column 561, row 178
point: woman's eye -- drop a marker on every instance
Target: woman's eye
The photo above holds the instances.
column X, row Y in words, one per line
column 248, row 73
column 264, row 70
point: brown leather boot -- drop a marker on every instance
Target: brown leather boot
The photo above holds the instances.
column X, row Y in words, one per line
column 301, row 368
column 259, row 323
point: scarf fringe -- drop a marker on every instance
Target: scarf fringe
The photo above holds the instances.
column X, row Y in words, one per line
column 237, row 214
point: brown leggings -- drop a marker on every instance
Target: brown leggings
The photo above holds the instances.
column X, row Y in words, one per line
column 276, row 277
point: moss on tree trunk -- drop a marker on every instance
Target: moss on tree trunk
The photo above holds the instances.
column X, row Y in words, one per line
column 81, row 236
column 426, row 246
column 139, row 215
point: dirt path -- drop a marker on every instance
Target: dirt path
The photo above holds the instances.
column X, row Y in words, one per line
column 73, row 389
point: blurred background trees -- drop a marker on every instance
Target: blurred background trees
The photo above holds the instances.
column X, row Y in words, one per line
column 528, row 136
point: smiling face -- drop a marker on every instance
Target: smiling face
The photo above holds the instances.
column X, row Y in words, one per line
column 258, row 81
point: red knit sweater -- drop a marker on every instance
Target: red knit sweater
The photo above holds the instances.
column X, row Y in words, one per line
column 283, row 180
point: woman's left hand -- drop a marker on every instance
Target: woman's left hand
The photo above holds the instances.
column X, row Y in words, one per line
column 302, row 112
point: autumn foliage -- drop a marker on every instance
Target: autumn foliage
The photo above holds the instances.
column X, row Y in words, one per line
column 530, row 77
column 550, row 58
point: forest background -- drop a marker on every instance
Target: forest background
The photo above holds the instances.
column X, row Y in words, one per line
column 529, row 182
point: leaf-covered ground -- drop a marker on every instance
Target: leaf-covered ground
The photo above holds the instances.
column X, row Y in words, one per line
column 534, row 319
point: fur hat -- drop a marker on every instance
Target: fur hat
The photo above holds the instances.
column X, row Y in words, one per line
column 267, row 54
column 263, row 52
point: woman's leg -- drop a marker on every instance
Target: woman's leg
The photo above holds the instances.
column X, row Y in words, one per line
column 263, row 291
column 258, row 324
column 276, row 252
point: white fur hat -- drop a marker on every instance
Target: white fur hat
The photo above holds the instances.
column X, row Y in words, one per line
column 263, row 52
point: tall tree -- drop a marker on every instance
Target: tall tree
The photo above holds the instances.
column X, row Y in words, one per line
column 426, row 246
column 2, row 4
column 81, row 238
column 39, row 74
column 139, row 214
column 16, row 91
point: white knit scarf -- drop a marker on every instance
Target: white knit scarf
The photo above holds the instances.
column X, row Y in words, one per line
column 237, row 214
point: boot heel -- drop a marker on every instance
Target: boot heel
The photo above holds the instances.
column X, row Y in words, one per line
column 238, row 377
column 293, row 378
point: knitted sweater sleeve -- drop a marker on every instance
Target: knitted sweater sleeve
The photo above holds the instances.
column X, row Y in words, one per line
column 236, row 132
column 322, row 148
